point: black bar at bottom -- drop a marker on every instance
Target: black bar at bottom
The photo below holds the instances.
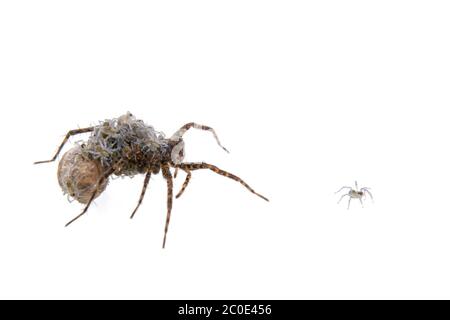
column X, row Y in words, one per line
column 226, row 309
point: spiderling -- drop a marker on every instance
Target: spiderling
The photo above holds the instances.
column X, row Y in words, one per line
column 356, row 193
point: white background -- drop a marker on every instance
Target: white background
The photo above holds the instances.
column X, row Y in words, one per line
column 307, row 95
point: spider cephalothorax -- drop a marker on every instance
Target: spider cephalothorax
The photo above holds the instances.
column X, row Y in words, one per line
column 126, row 146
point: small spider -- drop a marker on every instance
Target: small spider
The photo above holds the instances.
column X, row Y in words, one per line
column 355, row 194
column 126, row 146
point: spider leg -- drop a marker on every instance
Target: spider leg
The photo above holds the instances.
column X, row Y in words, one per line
column 190, row 166
column 342, row 189
column 343, row 197
column 168, row 176
column 179, row 134
column 356, row 186
column 144, row 188
column 68, row 135
column 94, row 193
column 360, row 200
column 186, row 182
column 175, row 173
column 368, row 192
column 349, row 200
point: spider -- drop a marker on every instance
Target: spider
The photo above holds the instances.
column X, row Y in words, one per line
column 355, row 194
column 126, row 146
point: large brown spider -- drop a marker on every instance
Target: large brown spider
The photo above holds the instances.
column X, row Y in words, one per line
column 126, row 146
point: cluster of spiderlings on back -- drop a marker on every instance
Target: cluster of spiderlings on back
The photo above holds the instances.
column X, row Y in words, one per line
column 113, row 138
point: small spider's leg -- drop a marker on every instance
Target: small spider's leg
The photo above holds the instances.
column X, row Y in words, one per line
column 356, row 186
column 144, row 188
column 195, row 166
column 343, row 197
column 349, row 200
column 100, row 181
column 179, row 134
column 68, row 135
column 168, row 176
column 175, row 174
column 362, row 204
column 343, row 189
column 186, row 182
column 366, row 190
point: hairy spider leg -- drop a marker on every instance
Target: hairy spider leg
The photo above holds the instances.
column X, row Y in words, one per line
column 144, row 188
column 342, row 189
column 185, row 183
column 68, row 135
column 100, row 181
column 179, row 134
column 168, row 176
column 343, row 197
column 190, row 166
column 367, row 190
